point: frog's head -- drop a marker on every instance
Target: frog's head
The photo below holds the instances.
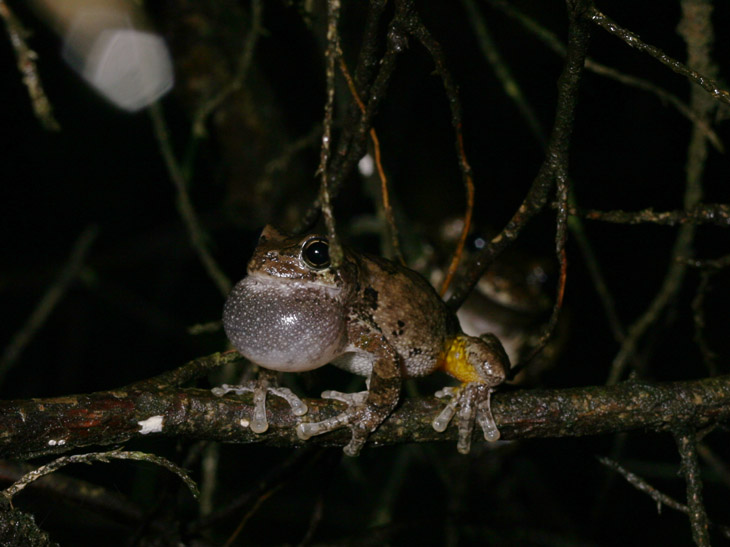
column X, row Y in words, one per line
column 288, row 314
column 305, row 259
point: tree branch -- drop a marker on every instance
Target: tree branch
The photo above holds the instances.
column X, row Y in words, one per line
column 709, row 213
column 26, row 59
column 53, row 295
column 555, row 163
column 708, row 84
column 687, row 445
column 35, row 427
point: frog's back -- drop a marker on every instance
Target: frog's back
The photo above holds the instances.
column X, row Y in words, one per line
column 407, row 311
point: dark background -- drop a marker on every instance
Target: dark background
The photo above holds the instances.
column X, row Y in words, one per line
column 104, row 168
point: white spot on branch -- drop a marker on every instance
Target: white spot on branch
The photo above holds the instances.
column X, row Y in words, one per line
column 151, row 425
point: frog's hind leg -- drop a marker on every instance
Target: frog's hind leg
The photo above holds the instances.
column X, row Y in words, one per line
column 355, row 403
column 366, row 409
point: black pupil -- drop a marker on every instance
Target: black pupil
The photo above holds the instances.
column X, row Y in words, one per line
column 317, row 253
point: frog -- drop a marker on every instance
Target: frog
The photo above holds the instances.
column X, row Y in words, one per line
column 373, row 317
column 513, row 299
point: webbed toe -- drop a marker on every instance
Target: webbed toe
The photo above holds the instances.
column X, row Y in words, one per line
column 472, row 402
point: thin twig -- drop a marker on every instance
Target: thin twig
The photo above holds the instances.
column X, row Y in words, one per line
column 555, row 44
column 26, row 60
column 715, row 462
column 703, row 80
column 189, row 371
column 419, row 30
column 274, row 478
column 251, row 512
column 205, row 328
column 281, row 162
column 198, row 238
column 93, row 497
column 663, row 95
column 712, row 263
column 708, row 213
column 599, row 281
column 555, row 155
column 103, row 457
column 640, row 484
column 48, row 301
column 210, row 458
column 207, row 107
column 697, row 35
column 351, row 143
column 686, row 444
column 384, row 191
column 315, row 519
column 209, row 479
column 502, row 71
column 659, row 497
column 181, row 174
column 561, row 237
column 698, row 315
column 331, row 54
column 512, row 90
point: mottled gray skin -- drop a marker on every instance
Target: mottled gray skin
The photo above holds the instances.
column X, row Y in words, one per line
column 370, row 316
column 402, row 307
column 285, row 316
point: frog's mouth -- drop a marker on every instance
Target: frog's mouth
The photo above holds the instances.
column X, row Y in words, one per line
column 291, row 283
column 295, row 277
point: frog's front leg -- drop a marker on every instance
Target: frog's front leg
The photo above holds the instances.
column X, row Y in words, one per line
column 366, row 409
column 481, row 364
column 260, row 387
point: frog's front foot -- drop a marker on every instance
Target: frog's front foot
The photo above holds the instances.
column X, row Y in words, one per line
column 359, row 417
column 260, row 388
column 472, row 401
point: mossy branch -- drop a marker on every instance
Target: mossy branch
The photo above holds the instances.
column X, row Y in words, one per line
column 35, row 427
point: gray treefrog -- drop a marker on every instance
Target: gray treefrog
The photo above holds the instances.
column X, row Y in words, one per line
column 370, row 316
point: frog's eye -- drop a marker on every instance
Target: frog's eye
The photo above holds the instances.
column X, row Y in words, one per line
column 316, row 253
